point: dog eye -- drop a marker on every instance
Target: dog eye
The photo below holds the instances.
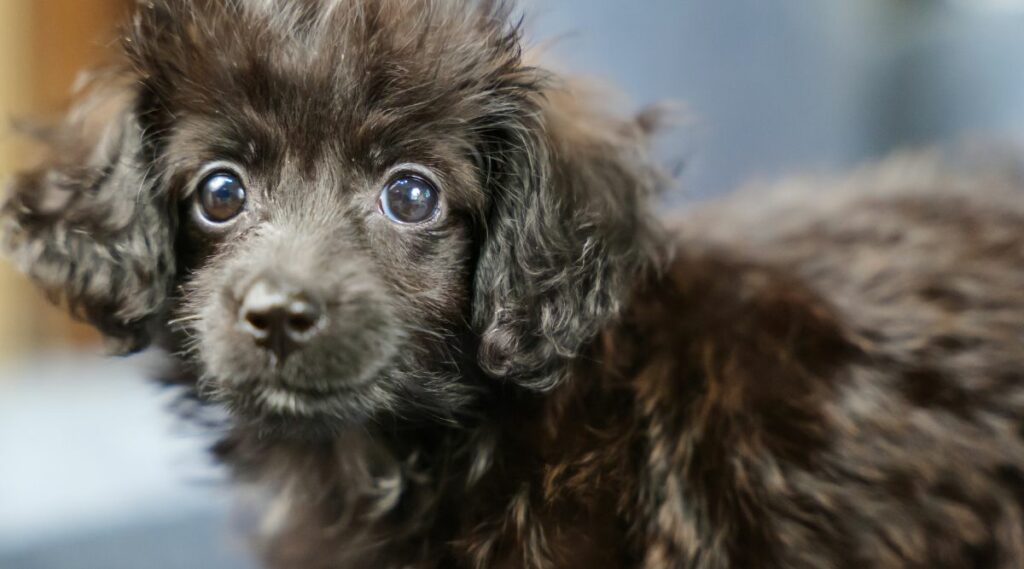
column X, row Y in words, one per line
column 221, row 196
column 409, row 199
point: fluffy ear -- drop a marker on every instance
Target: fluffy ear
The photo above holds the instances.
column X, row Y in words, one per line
column 568, row 233
column 87, row 226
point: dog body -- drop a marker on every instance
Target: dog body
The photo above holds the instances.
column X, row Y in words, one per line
column 425, row 280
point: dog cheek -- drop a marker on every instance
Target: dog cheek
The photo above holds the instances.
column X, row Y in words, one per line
column 227, row 357
column 358, row 350
column 367, row 330
column 214, row 342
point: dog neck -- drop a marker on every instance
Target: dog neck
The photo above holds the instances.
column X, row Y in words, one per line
column 527, row 477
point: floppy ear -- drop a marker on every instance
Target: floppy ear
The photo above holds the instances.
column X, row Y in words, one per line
column 87, row 226
column 568, row 233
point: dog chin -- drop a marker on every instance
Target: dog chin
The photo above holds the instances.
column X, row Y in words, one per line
column 279, row 404
column 285, row 411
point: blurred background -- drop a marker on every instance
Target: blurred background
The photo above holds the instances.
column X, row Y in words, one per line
column 96, row 473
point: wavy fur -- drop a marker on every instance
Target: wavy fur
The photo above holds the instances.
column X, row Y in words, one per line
column 546, row 375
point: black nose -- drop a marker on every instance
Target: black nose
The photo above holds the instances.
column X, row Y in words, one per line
column 278, row 318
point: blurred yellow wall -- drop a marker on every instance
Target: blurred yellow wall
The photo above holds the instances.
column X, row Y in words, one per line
column 16, row 79
column 43, row 46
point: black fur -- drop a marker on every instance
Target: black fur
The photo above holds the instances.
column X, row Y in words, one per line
column 542, row 375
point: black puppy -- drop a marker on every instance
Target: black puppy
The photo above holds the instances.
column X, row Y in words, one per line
column 424, row 278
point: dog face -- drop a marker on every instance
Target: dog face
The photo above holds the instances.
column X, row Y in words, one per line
column 330, row 194
column 338, row 209
column 338, row 286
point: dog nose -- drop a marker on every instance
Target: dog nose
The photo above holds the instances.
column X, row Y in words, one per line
column 279, row 319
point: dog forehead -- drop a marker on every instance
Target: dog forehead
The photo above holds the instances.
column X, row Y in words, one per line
column 314, row 72
column 388, row 51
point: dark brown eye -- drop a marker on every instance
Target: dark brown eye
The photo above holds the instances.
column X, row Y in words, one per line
column 409, row 199
column 221, row 196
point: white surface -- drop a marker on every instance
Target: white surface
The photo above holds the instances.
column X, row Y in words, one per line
column 88, row 444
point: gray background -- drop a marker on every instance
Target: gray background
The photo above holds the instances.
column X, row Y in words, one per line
column 769, row 87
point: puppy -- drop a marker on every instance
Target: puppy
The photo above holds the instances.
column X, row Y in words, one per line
column 425, row 279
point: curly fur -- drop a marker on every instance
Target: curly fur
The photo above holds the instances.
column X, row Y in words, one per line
column 548, row 375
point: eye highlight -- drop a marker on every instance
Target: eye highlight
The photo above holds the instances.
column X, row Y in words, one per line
column 221, row 196
column 409, row 199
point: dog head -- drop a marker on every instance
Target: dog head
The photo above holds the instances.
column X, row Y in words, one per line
column 338, row 208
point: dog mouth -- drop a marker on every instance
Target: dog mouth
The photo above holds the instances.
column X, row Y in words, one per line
column 303, row 401
column 275, row 397
column 312, row 384
column 283, row 412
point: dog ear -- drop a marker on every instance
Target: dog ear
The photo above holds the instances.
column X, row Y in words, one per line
column 568, row 233
column 87, row 225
